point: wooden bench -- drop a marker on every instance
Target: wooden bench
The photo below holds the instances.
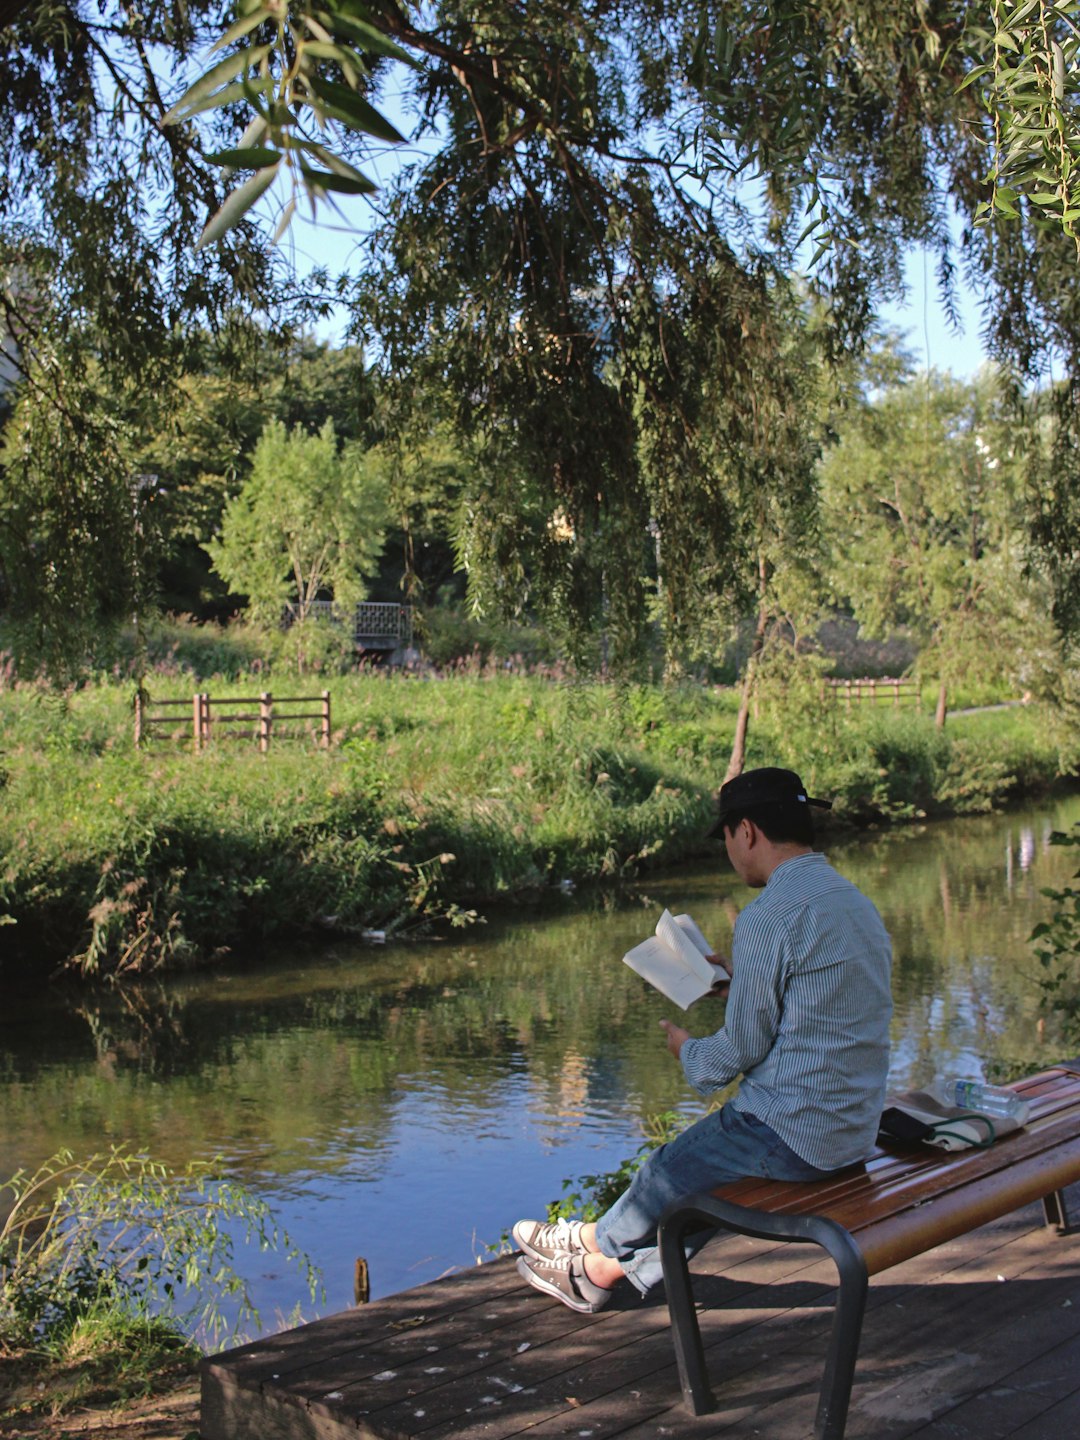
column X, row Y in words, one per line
column 906, row 1199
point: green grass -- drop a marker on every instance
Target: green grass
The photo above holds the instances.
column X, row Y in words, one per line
column 437, row 797
column 109, row 1363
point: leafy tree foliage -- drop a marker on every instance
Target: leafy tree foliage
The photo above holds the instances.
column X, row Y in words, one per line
column 924, row 507
column 306, row 525
column 202, row 451
column 585, row 280
column 75, row 517
column 103, row 300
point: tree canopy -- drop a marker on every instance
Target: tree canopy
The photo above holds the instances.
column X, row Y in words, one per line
column 923, row 504
column 306, row 525
column 586, row 277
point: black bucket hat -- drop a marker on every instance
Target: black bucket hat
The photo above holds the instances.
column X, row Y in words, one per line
column 755, row 789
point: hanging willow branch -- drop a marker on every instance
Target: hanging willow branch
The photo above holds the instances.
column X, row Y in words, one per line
column 1030, row 86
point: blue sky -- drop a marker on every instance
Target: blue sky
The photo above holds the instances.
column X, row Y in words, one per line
column 923, row 322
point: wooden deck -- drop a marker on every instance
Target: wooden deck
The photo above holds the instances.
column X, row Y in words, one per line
column 979, row 1338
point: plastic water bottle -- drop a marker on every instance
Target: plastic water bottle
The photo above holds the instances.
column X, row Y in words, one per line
column 992, row 1100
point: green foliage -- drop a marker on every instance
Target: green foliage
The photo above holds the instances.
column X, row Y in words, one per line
column 1027, row 63
column 599, row 1192
column 881, row 764
column 450, row 636
column 1057, row 946
column 73, row 520
column 280, row 69
column 586, row 1197
column 308, row 520
column 119, row 1238
column 200, row 450
column 1053, row 473
column 436, row 793
column 924, row 510
column 567, row 289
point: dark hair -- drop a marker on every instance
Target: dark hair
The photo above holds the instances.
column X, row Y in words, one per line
column 782, row 823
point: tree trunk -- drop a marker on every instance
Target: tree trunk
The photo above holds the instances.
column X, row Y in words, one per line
column 942, row 707
column 742, row 722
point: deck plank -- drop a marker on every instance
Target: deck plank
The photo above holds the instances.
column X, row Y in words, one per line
column 479, row 1356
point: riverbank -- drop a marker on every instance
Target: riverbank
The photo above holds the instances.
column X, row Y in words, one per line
column 436, row 799
column 45, row 1404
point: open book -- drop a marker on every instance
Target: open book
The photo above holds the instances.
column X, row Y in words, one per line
column 674, row 960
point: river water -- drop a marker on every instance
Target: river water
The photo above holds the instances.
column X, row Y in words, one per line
column 408, row 1103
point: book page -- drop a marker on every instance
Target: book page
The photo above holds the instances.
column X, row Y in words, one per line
column 673, row 931
column 657, row 963
column 690, row 929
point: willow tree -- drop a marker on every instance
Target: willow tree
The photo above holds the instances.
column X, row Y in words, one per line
column 573, row 281
column 578, row 274
column 924, row 510
column 106, row 301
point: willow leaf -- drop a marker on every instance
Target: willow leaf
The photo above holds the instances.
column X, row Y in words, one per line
column 249, row 157
column 237, row 205
column 249, row 90
column 372, row 40
column 191, row 100
column 244, row 26
column 345, row 184
column 361, row 115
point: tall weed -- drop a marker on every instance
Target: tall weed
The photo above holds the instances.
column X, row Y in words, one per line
column 120, row 1235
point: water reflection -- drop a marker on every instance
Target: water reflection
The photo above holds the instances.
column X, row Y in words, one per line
column 407, row 1104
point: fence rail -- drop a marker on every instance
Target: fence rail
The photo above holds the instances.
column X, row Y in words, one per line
column 877, row 690
column 206, row 719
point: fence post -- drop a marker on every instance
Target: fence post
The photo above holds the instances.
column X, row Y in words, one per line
column 326, row 719
column 138, row 717
column 265, row 720
column 197, row 721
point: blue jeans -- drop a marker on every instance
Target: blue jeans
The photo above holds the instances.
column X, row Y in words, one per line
column 725, row 1145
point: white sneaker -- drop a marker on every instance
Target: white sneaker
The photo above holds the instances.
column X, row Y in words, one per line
column 564, row 1279
column 542, row 1241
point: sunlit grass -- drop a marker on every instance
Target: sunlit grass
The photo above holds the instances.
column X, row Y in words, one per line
column 437, row 796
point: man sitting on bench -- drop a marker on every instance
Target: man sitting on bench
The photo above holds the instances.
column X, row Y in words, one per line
column 807, row 1028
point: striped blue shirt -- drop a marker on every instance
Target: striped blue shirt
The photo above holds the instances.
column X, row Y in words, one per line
column 807, row 1021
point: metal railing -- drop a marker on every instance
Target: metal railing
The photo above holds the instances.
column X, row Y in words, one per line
column 376, row 624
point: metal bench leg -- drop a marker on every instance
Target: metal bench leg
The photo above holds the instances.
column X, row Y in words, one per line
column 843, row 1344
column 836, row 1384
column 1055, row 1212
column 685, row 1331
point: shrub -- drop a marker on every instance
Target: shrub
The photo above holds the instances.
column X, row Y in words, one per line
column 122, row 1236
column 1057, row 945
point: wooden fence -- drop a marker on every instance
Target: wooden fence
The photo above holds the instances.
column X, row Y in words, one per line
column 203, row 719
column 883, row 691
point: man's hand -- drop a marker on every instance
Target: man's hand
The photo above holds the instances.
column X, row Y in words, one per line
column 722, row 984
column 676, row 1036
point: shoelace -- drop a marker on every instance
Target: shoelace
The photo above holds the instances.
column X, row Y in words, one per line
column 562, row 1261
column 558, row 1235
